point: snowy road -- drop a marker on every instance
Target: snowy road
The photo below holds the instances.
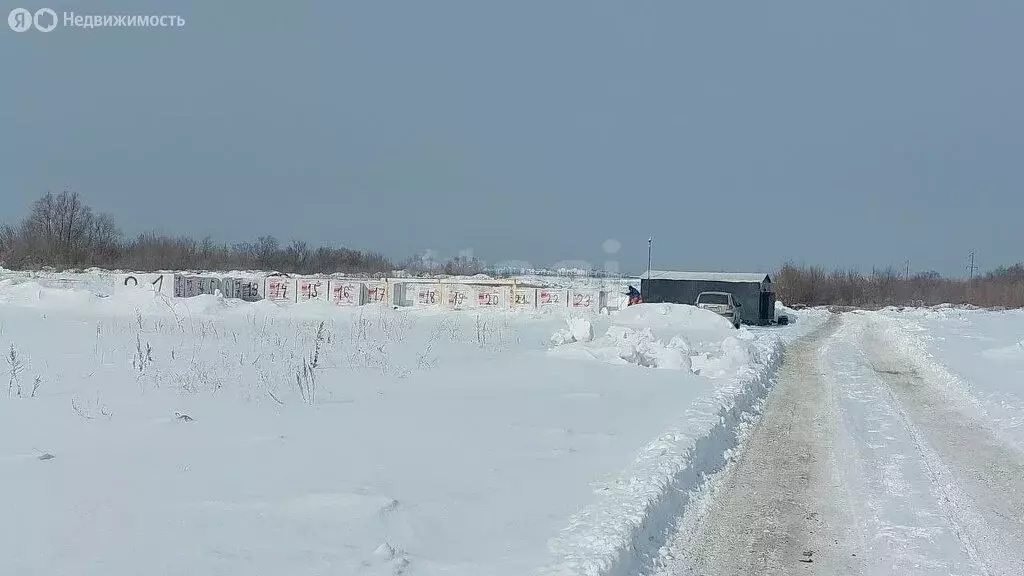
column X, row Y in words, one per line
column 859, row 465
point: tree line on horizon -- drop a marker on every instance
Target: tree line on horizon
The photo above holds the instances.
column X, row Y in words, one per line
column 64, row 233
column 815, row 286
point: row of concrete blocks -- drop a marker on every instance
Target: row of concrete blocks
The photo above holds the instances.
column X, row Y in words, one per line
column 395, row 292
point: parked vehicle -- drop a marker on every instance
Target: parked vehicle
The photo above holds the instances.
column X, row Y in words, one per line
column 721, row 303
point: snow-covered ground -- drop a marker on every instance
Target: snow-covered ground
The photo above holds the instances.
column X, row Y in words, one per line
column 889, row 445
column 212, row 436
column 978, row 354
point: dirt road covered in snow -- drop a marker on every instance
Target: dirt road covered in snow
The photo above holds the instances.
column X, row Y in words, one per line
column 858, row 465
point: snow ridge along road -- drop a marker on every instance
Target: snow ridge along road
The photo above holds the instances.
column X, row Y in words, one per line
column 622, row 532
column 858, row 465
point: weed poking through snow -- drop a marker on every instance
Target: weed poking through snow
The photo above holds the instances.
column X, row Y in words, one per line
column 16, row 367
column 89, row 411
column 481, row 332
column 143, row 357
column 305, row 377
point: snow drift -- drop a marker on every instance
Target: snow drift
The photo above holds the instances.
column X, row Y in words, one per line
column 667, row 336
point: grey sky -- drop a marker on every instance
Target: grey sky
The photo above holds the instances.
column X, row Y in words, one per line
column 738, row 134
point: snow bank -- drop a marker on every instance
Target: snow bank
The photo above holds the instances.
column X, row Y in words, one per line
column 622, row 531
column 734, row 354
column 667, row 336
column 976, row 356
column 625, row 346
column 791, row 314
column 19, row 291
column 579, row 330
column 667, row 320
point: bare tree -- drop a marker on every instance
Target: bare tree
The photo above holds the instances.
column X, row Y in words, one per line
column 8, row 244
column 267, row 251
column 62, row 231
column 463, row 266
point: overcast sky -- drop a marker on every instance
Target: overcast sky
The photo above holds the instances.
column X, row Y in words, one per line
column 739, row 135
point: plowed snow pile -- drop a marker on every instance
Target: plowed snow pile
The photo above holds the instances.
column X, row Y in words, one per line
column 668, row 336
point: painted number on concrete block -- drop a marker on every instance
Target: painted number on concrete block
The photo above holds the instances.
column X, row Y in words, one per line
column 487, row 299
column 428, row 297
column 582, row 301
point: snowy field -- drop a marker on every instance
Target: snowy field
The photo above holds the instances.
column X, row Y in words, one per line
column 978, row 354
column 143, row 435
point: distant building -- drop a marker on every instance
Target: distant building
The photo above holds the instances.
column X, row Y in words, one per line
column 752, row 291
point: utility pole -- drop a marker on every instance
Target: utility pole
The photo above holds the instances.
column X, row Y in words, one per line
column 643, row 293
column 970, row 283
column 908, row 268
column 650, row 241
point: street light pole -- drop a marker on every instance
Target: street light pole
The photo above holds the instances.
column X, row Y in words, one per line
column 649, row 242
column 643, row 296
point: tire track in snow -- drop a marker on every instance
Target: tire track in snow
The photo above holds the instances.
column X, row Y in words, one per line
column 903, row 522
column 979, row 477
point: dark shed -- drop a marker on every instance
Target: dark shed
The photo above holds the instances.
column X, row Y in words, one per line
column 752, row 291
